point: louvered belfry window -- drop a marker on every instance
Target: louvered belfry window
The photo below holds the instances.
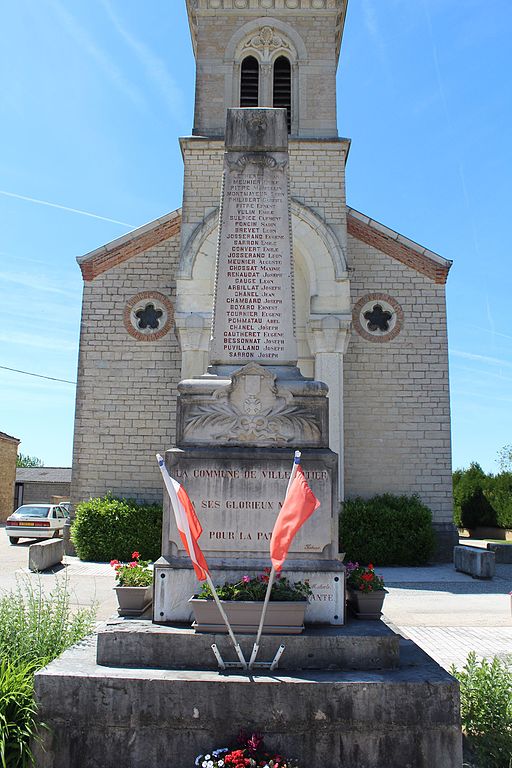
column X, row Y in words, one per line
column 249, row 82
column 283, row 86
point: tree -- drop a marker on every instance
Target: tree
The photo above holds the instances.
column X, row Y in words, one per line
column 505, row 458
column 28, row 461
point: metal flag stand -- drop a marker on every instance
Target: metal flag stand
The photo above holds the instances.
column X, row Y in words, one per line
column 271, row 664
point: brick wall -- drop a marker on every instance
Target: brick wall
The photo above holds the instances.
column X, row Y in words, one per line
column 396, row 397
column 8, row 453
column 126, row 395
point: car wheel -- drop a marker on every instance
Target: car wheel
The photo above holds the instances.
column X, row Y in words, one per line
column 13, row 539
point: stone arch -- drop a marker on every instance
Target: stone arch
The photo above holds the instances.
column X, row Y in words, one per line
column 317, row 252
column 233, row 47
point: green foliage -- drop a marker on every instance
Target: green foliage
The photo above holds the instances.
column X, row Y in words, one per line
column 28, row 461
column 505, row 458
column 387, row 530
column 363, row 579
column 255, row 587
column 136, row 573
column 18, row 713
column 471, row 505
column 109, row 528
column 486, row 710
column 34, row 629
column 499, row 494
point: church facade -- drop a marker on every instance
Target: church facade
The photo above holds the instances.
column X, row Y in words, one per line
column 370, row 304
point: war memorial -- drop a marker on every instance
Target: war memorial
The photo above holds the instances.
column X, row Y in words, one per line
column 150, row 692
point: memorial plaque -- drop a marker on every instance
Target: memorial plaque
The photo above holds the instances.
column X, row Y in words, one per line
column 254, row 300
column 238, row 498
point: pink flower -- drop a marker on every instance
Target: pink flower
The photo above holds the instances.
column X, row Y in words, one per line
column 133, row 565
column 246, row 579
column 114, row 562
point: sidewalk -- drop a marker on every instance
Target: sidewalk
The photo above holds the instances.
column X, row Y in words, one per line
column 449, row 614
column 446, row 613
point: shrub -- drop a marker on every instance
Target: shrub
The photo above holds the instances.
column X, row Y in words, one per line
column 387, row 530
column 499, row 495
column 34, row 629
column 111, row 529
column 471, row 506
column 486, row 710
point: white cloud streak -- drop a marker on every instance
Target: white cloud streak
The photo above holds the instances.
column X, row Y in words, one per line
column 65, row 208
column 155, row 67
column 109, row 68
column 19, row 339
column 481, row 358
column 39, row 283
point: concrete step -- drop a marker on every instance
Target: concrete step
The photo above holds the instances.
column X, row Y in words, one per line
column 144, row 718
column 357, row 645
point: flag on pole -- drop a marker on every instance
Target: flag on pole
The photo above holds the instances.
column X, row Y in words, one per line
column 188, row 524
column 298, row 506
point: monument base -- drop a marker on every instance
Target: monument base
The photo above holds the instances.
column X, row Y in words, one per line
column 175, row 583
column 139, row 718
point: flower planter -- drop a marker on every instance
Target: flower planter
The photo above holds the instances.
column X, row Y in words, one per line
column 282, row 618
column 366, row 605
column 134, row 601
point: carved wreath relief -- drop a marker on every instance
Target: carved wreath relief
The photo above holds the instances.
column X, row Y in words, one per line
column 252, row 409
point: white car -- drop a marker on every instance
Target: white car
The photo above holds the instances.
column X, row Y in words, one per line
column 36, row 521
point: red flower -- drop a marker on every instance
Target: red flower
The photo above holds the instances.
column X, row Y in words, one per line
column 135, row 555
column 114, row 562
column 367, row 576
column 267, row 570
column 370, row 566
column 133, row 565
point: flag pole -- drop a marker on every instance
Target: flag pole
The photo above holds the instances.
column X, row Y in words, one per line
column 272, row 575
column 173, row 498
column 226, row 622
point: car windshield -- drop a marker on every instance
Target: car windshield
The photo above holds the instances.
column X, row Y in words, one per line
column 32, row 512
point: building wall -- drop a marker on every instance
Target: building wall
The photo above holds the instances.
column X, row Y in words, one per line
column 126, row 395
column 8, row 454
column 34, row 493
column 396, row 393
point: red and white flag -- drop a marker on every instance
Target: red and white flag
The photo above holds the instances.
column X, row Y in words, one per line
column 299, row 505
column 188, row 524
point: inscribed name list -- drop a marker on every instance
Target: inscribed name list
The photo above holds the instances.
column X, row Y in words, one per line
column 254, row 309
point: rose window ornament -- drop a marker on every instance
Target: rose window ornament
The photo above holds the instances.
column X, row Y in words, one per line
column 148, row 316
column 377, row 317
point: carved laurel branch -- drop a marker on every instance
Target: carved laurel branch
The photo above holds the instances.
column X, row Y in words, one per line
column 279, row 426
column 255, row 158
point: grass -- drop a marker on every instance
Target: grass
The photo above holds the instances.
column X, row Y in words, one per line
column 34, row 629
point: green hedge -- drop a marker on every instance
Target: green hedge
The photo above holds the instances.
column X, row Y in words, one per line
column 111, row 529
column 387, row 530
column 481, row 499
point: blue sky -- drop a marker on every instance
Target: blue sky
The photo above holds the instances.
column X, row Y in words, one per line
column 93, row 96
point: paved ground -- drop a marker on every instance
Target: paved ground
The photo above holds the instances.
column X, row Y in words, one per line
column 446, row 613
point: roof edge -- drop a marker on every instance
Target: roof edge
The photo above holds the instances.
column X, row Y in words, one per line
column 398, row 247
column 125, row 247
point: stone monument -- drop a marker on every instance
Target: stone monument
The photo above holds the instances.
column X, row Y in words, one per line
column 239, row 423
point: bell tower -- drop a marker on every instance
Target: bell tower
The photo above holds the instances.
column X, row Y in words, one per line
column 267, row 53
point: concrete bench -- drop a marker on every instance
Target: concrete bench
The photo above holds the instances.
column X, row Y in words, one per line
column 503, row 552
column 44, row 554
column 478, row 563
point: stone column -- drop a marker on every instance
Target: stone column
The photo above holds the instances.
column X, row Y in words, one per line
column 328, row 337
column 193, row 331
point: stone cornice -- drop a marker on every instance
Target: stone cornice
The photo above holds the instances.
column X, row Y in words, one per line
column 396, row 246
column 337, row 8
column 118, row 251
